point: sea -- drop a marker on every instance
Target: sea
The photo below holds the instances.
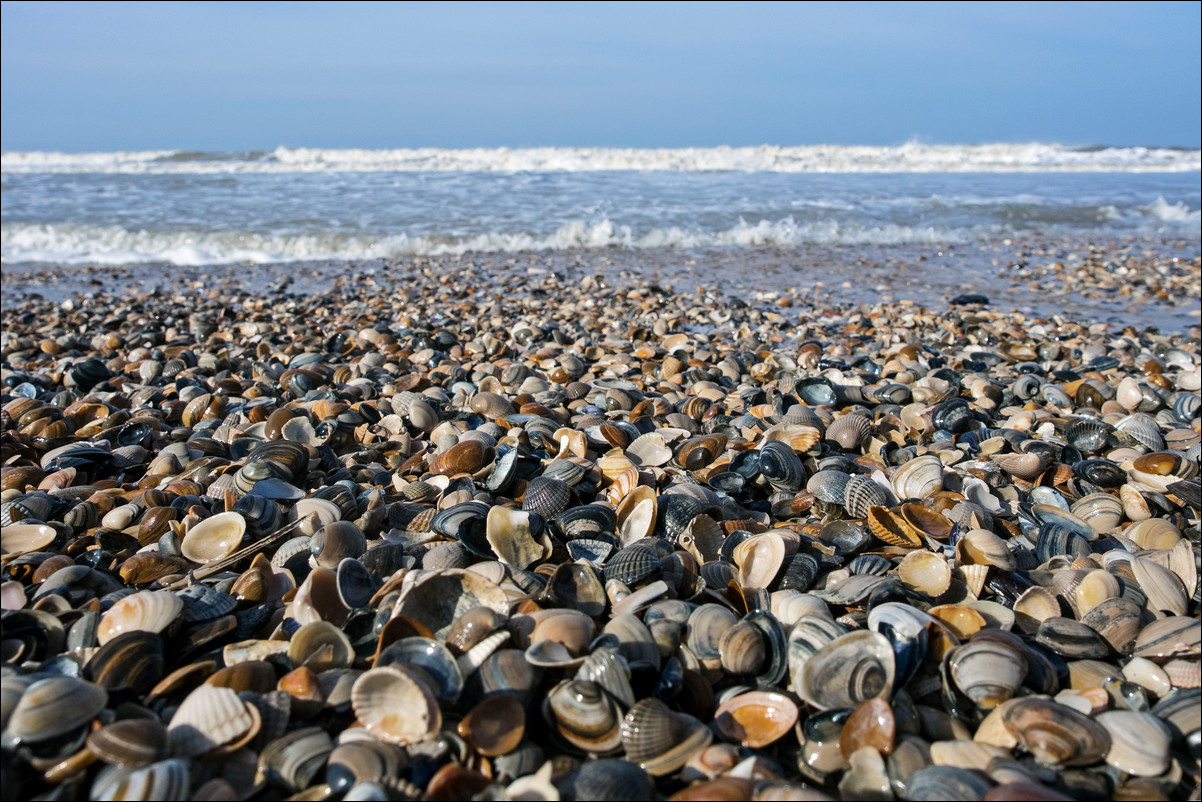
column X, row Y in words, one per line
column 303, row 204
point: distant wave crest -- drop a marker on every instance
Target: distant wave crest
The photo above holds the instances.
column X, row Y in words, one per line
column 912, row 157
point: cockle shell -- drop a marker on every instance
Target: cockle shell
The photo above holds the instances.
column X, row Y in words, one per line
column 147, row 611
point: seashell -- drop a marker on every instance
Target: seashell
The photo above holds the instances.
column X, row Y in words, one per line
column 546, row 496
column 292, row 761
column 1163, row 588
column 320, row 645
column 437, row 599
column 755, row 719
column 849, row 431
column 214, row 538
column 633, row 566
column 431, row 657
column 380, row 694
column 918, row 478
column 133, row 660
column 892, row 528
column 1071, row 639
column 861, row 493
column 212, row 719
column 18, row 539
column 829, row 486
column 1167, row 637
column 1024, row 466
column 335, row 542
column 1154, row 533
column 363, row 760
column 759, row 560
column 847, row 671
column 52, row 707
column 166, row 779
column 698, row 452
column 925, row 572
column 146, row 567
column 987, row 671
column 649, row 450
column 130, row 743
column 1055, row 734
column 781, row 467
column 204, row 603
column 982, row 547
column 659, row 740
column 495, row 726
column 581, row 713
column 617, row 780
column 1139, row 742
column 702, row 539
column 512, row 535
column 145, row 611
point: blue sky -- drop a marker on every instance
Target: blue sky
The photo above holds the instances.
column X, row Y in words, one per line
column 243, row 76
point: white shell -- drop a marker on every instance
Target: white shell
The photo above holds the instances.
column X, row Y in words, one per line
column 214, row 538
column 208, row 718
column 394, row 706
column 146, row 611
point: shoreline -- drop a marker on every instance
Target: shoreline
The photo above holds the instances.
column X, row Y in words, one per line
column 1138, row 282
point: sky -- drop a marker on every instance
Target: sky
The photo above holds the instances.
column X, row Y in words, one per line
column 254, row 76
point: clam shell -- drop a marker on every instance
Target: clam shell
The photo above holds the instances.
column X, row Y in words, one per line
column 1055, row 734
column 987, row 671
column 755, row 719
column 437, row 599
column 925, row 572
column 17, row 539
column 847, row 671
column 214, row 538
column 759, row 560
column 52, row 707
column 581, row 713
column 130, row 743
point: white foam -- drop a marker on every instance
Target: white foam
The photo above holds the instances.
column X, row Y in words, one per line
column 1172, row 212
column 912, row 157
column 111, row 245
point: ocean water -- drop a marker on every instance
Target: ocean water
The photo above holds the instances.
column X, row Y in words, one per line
column 189, row 208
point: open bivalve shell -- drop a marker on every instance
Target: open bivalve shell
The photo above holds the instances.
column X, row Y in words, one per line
column 396, row 706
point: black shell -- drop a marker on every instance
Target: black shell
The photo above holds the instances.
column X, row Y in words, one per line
column 546, row 496
column 634, row 565
column 675, row 512
column 781, row 467
column 587, row 520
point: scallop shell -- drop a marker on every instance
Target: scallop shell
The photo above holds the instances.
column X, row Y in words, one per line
column 395, row 706
column 659, row 740
column 209, row 719
column 147, row 611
